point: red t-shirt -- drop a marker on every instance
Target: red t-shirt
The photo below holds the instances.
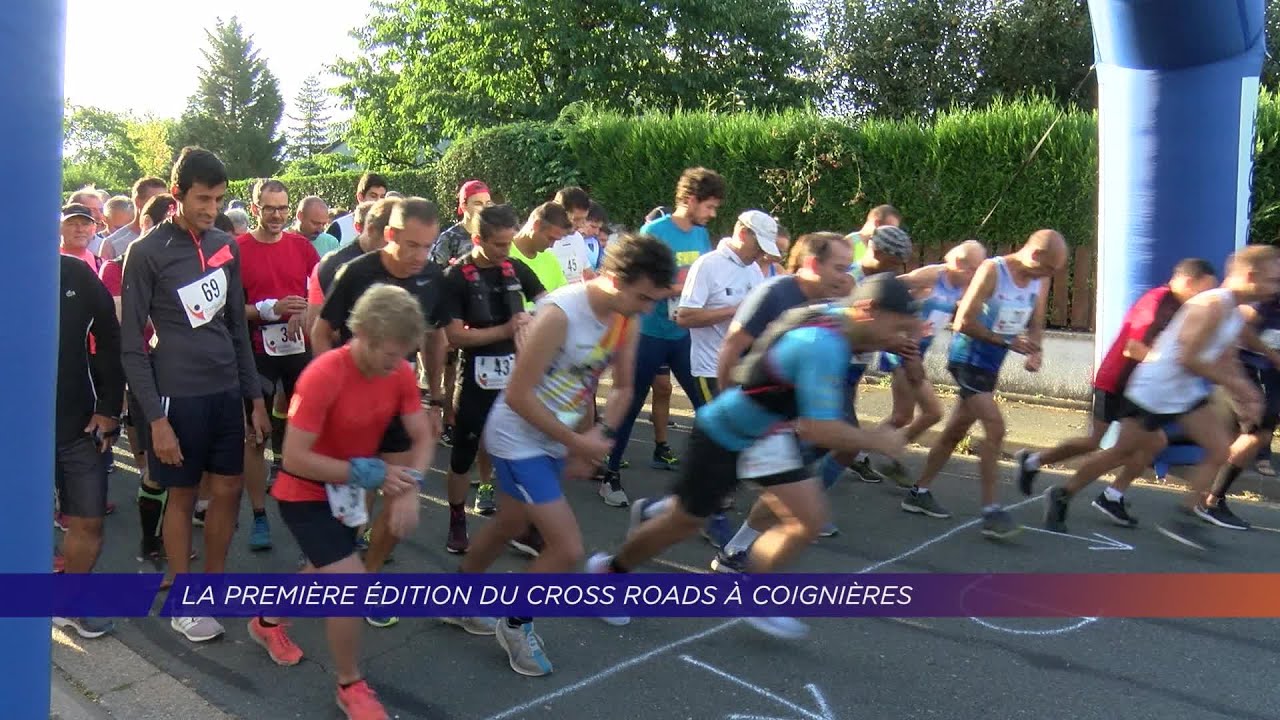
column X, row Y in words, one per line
column 275, row 270
column 315, row 293
column 112, row 275
column 1143, row 322
column 348, row 411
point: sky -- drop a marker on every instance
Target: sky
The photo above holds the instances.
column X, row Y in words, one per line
column 111, row 44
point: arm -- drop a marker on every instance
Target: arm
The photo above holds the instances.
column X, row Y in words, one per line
column 333, row 314
column 1035, row 330
column 548, row 334
column 737, row 342
column 433, row 352
column 107, row 367
column 466, row 337
column 969, row 313
column 250, row 384
column 688, row 317
column 1135, row 350
column 922, row 278
column 301, row 460
column 1194, row 336
column 135, row 305
column 624, row 362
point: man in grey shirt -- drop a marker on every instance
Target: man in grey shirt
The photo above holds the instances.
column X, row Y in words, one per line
column 117, row 242
column 185, row 277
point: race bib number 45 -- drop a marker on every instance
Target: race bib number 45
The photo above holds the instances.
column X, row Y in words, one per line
column 204, row 299
column 493, row 372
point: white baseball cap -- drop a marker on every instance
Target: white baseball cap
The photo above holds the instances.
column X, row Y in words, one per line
column 765, row 229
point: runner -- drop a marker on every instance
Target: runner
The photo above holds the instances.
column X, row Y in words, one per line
column 546, row 226
column 371, row 187
column 483, row 299
column 537, row 431
column 1003, row 309
column 595, row 235
column 89, row 397
column 571, row 250
column 309, row 222
column 184, row 277
column 118, row 212
column 793, row 378
column 116, row 243
column 1174, row 382
column 877, row 217
column 777, row 265
column 275, row 266
column 821, row 273
column 341, row 404
column 940, row 286
column 403, row 262
column 699, row 193
column 1141, row 325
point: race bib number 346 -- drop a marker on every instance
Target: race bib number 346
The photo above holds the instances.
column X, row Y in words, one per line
column 204, row 299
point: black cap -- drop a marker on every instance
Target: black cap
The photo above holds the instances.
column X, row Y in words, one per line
column 76, row 210
column 886, row 293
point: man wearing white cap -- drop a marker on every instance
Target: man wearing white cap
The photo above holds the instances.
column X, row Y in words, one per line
column 717, row 283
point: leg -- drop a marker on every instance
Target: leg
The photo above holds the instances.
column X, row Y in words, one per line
column 177, row 529
column 904, row 399
column 220, row 523
column 649, row 355
column 801, row 509
column 988, row 414
column 381, row 540
column 660, row 407
column 343, row 633
column 926, row 397
column 508, row 523
column 962, row 418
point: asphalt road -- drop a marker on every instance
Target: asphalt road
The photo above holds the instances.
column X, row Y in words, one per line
column 707, row 668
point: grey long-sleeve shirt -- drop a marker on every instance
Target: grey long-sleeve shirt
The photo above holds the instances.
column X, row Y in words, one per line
column 195, row 300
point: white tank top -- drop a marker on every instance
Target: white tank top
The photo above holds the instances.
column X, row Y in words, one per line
column 569, row 386
column 1160, row 384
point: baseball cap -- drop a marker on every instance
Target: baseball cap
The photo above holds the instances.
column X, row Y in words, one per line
column 765, row 229
column 76, row 210
column 892, row 240
column 469, row 188
column 886, row 293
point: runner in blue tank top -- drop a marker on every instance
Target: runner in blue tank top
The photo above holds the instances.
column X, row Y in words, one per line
column 1002, row 310
column 940, row 286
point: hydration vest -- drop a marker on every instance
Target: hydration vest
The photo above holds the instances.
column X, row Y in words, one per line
column 479, row 292
column 756, row 375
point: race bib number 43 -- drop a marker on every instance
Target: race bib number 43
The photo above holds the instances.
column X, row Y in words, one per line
column 493, row 372
column 204, row 299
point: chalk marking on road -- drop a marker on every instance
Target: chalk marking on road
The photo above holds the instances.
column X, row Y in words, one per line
column 1100, row 541
column 822, row 702
column 962, row 526
column 1260, row 527
column 1082, row 622
column 612, row 670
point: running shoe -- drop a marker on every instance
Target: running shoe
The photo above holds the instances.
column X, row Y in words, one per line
column 446, row 436
column 364, row 538
column 530, row 543
column 925, row 504
column 260, row 537
column 485, row 504
column 828, row 530
column 611, row 490
column 360, row 702
column 1221, row 516
column 598, row 564
column 382, row 622
column 780, row 627
column 664, row 458
column 59, row 564
column 999, row 524
column 1056, row 504
column 1265, row 468
column 197, row 518
column 1115, row 509
column 474, row 625
column 88, row 628
column 59, row 521
column 897, row 472
column 730, row 564
column 718, row 531
column 639, row 511
column 524, row 649
column 862, row 468
column 1025, row 476
column 458, row 542
column 197, row 629
column 276, row 641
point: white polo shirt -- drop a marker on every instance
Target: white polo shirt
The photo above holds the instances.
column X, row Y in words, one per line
column 716, row 280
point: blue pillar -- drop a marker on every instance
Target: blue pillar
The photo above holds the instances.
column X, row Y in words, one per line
column 31, row 42
column 1177, row 97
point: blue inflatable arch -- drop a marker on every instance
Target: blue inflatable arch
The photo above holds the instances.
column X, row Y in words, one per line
column 1178, row 85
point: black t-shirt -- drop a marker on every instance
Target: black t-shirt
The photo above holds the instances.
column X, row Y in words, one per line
column 459, row 304
column 332, row 261
column 357, row 276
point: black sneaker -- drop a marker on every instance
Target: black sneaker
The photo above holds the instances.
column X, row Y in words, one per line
column 446, row 436
column 1116, row 510
column 530, row 543
column 1056, row 503
column 1221, row 516
column 1026, row 477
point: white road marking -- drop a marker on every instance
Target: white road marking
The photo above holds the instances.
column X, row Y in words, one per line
column 822, row 702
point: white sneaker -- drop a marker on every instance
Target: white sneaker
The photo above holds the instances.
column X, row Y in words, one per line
column 613, row 496
column 779, row 627
column 197, row 629
column 598, row 564
column 473, row 625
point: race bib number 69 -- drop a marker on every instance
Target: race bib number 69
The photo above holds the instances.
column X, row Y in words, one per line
column 203, row 299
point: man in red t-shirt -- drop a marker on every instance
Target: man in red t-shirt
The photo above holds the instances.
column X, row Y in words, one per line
column 275, row 266
column 1141, row 324
column 340, row 408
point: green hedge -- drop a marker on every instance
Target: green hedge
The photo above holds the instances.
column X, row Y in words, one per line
column 815, row 173
column 339, row 189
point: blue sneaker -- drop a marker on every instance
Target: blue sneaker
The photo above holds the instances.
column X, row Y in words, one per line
column 829, row 530
column 524, row 649
column 717, row 531
column 664, row 458
column 260, row 537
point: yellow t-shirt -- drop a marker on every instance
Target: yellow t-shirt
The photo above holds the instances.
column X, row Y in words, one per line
column 546, row 266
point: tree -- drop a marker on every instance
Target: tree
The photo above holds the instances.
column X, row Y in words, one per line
column 312, row 132
column 1037, row 46
column 152, row 137
column 433, row 69
column 237, row 108
column 97, row 149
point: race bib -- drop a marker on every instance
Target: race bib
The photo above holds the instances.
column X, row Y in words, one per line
column 346, row 502
column 493, row 372
column 204, row 298
column 937, row 320
column 570, row 263
column 277, row 341
column 772, row 455
column 1012, row 320
column 672, row 306
column 1271, row 338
